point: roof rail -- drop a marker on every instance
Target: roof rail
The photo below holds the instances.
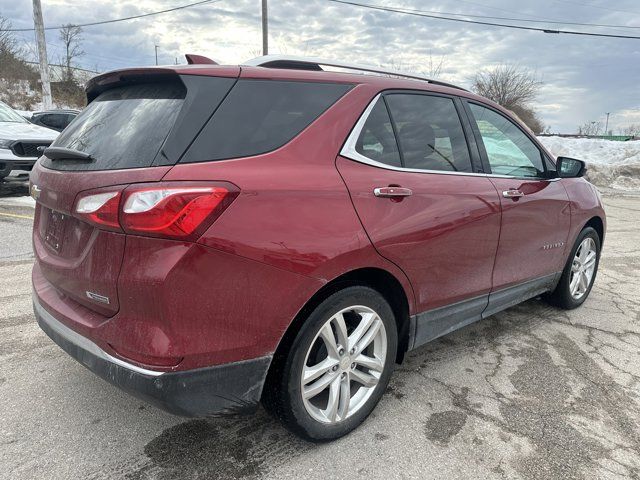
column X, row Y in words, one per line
column 313, row 63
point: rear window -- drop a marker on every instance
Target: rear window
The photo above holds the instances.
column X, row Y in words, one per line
column 123, row 127
column 429, row 133
column 259, row 116
column 377, row 140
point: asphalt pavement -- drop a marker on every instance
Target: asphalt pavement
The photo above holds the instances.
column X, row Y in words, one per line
column 533, row 393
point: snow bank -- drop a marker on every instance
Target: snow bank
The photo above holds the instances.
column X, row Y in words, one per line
column 610, row 164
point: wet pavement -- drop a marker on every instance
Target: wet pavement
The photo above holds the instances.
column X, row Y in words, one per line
column 533, row 392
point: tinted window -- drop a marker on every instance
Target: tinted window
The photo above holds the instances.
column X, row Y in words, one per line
column 69, row 119
column 509, row 150
column 429, row 132
column 123, row 127
column 53, row 120
column 261, row 115
column 376, row 140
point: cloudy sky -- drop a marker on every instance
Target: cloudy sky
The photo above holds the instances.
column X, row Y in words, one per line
column 583, row 76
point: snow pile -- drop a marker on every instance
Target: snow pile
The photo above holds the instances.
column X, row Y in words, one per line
column 610, row 164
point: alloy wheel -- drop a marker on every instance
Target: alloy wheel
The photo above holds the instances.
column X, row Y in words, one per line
column 582, row 268
column 344, row 364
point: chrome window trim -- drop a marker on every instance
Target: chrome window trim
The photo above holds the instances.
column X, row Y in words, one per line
column 349, row 151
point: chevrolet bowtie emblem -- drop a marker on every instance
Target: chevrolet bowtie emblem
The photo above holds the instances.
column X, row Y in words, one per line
column 35, row 191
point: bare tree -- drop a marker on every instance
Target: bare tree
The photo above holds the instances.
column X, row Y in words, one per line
column 590, row 128
column 507, row 85
column 513, row 87
column 431, row 68
column 435, row 66
column 631, row 130
column 530, row 118
column 8, row 42
column 71, row 37
column 12, row 55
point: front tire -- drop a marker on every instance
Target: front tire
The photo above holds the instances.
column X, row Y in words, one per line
column 337, row 367
column 579, row 273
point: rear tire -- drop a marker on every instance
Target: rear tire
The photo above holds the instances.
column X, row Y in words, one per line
column 337, row 368
column 579, row 272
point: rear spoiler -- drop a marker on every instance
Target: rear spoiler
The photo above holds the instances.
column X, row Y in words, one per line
column 100, row 83
column 193, row 59
column 116, row 78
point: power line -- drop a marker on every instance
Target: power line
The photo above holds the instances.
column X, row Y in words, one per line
column 557, row 22
column 62, row 66
column 57, row 46
column 477, row 22
column 500, row 9
column 114, row 20
column 596, row 6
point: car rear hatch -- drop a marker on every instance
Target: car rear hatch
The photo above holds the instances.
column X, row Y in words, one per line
column 137, row 125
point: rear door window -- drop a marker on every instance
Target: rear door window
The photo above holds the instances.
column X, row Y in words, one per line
column 430, row 133
column 68, row 119
column 123, row 127
column 259, row 116
column 53, row 121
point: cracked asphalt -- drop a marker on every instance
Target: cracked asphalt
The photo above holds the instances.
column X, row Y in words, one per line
column 532, row 393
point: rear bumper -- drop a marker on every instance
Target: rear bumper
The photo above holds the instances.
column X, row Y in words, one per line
column 224, row 389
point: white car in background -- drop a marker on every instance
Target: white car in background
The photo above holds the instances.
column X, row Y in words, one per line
column 19, row 141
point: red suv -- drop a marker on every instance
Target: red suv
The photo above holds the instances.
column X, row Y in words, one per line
column 208, row 237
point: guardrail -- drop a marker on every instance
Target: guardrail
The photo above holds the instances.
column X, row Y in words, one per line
column 615, row 138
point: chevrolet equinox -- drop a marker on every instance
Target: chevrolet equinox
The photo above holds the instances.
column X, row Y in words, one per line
column 211, row 237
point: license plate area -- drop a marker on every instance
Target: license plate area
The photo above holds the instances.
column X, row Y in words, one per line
column 55, row 230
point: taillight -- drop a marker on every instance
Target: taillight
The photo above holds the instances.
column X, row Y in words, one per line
column 179, row 210
column 100, row 209
column 170, row 211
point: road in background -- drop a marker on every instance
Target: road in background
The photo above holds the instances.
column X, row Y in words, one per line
column 533, row 392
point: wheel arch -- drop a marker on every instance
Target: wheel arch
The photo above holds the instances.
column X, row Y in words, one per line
column 597, row 224
column 378, row 279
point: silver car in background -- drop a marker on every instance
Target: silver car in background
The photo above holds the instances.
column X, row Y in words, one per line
column 19, row 141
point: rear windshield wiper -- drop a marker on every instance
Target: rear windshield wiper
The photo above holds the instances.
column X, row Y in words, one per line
column 60, row 153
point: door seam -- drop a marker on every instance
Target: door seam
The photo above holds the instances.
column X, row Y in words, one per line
column 495, row 256
column 335, row 164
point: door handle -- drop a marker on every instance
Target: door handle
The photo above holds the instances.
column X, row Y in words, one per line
column 512, row 193
column 392, row 192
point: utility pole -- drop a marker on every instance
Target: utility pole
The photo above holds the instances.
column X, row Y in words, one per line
column 156, row 53
column 606, row 128
column 265, row 29
column 42, row 55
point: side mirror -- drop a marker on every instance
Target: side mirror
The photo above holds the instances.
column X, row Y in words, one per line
column 570, row 167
